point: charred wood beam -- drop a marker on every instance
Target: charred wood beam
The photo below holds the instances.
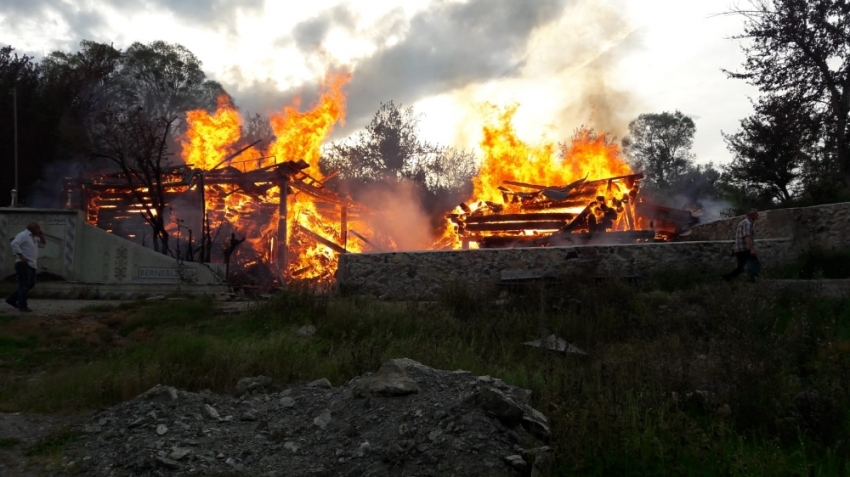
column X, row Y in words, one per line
column 598, row 182
column 546, row 205
column 526, row 185
column 506, row 226
column 320, row 240
column 578, row 221
column 236, row 154
column 520, row 217
column 316, row 193
column 364, row 239
column 652, row 211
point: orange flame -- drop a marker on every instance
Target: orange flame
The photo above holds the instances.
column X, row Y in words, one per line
column 299, row 135
column 507, row 157
column 210, row 138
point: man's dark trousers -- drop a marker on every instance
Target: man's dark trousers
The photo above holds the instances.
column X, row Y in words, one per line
column 743, row 258
column 26, row 281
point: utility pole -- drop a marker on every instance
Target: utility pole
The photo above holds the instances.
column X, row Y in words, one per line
column 15, row 122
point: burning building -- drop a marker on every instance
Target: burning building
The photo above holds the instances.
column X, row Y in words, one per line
column 263, row 206
column 580, row 192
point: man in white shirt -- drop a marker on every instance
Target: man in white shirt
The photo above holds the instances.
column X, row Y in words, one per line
column 25, row 247
column 745, row 247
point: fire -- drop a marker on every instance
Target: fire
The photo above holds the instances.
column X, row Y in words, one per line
column 507, row 157
column 550, row 185
column 299, row 135
column 211, row 138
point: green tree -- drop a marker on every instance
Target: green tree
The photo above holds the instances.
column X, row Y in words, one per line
column 390, row 149
column 166, row 80
column 801, row 49
column 773, row 147
column 21, row 74
column 660, row 146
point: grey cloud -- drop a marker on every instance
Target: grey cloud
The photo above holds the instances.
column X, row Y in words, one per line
column 83, row 24
column 309, row 33
column 448, row 46
column 204, row 12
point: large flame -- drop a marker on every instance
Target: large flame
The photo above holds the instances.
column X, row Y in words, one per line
column 587, row 155
column 210, row 138
column 213, row 137
column 509, row 158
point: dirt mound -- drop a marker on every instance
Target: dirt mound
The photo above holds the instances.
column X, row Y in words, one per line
column 406, row 419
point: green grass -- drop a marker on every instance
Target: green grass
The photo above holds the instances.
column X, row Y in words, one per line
column 8, row 443
column 815, row 264
column 108, row 307
column 622, row 410
column 53, row 444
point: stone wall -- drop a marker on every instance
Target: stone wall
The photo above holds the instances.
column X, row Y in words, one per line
column 404, row 275
column 826, row 226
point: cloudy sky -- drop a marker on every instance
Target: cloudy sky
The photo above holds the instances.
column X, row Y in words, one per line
column 566, row 62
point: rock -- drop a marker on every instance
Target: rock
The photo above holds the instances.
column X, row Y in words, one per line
column 211, row 412
column 161, row 429
column 438, row 430
column 155, row 298
column 557, row 344
column 516, row 461
column 92, row 428
column 536, row 423
column 246, row 385
column 364, row 449
column 390, row 380
column 179, row 453
column 320, row 383
column 323, row 419
column 159, row 393
column 499, row 405
column 306, row 330
column 166, row 462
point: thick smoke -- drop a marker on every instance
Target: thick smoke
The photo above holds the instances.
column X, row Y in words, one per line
column 400, row 215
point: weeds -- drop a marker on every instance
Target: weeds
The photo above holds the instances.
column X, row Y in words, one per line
column 8, row 443
column 702, row 379
column 54, row 444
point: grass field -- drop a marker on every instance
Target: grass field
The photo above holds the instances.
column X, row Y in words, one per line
column 681, row 378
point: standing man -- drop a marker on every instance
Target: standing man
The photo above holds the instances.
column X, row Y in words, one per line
column 745, row 247
column 25, row 247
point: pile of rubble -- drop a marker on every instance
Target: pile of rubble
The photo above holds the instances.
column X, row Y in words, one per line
column 405, row 419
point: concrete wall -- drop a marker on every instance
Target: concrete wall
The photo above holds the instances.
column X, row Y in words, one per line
column 826, row 226
column 424, row 274
column 79, row 252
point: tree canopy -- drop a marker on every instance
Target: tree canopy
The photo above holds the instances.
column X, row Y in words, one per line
column 660, row 146
column 391, row 149
column 800, row 49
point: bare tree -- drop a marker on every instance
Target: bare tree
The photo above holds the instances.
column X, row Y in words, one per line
column 138, row 146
